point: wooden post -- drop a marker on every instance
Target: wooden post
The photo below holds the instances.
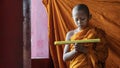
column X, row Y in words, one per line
column 26, row 35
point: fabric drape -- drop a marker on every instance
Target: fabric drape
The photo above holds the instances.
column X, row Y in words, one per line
column 105, row 15
column 97, row 52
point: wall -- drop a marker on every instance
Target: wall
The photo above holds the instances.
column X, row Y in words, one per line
column 11, row 30
column 11, row 36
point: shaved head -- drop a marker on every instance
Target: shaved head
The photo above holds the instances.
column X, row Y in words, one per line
column 81, row 15
column 82, row 7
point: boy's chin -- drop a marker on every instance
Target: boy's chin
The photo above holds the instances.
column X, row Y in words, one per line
column 82, row 26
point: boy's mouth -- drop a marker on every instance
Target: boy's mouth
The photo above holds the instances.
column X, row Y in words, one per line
column 81, row 25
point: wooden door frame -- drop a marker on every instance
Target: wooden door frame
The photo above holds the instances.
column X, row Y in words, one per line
column 26, row 34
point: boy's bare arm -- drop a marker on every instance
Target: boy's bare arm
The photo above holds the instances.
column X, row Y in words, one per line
column 67, row 54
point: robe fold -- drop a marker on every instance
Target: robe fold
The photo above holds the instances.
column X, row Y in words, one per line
column 97, row 52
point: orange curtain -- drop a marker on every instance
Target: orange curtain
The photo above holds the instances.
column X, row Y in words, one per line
column 105, row 15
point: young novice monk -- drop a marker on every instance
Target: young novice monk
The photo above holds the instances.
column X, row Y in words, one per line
column 87, row 55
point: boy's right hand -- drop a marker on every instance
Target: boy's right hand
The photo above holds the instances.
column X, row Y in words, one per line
column 80, row 48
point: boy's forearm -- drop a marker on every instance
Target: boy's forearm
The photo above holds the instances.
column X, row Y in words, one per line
column 69, row 55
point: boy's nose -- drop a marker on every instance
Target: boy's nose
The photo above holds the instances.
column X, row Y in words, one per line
column 79, row 21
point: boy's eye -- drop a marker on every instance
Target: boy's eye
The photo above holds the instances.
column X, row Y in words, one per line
column 83, row 19
column 76, row 19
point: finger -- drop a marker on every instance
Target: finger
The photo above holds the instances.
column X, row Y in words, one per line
column 76, row 43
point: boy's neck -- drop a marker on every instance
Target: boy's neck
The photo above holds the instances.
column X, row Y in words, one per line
column 81, row 28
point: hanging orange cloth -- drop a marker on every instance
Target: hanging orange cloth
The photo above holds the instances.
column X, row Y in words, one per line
column 105, row 15
column 97, row 52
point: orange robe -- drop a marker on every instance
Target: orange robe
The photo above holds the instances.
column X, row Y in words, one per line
column 97, row 52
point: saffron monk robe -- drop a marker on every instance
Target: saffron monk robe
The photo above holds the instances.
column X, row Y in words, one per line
column 87, row 55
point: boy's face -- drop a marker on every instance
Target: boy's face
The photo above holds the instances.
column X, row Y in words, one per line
column 81, row 19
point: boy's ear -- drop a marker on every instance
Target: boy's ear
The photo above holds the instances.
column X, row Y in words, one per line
column 90, row 16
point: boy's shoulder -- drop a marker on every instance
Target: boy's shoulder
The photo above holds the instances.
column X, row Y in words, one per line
column 70, row 33
column 98, row 30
